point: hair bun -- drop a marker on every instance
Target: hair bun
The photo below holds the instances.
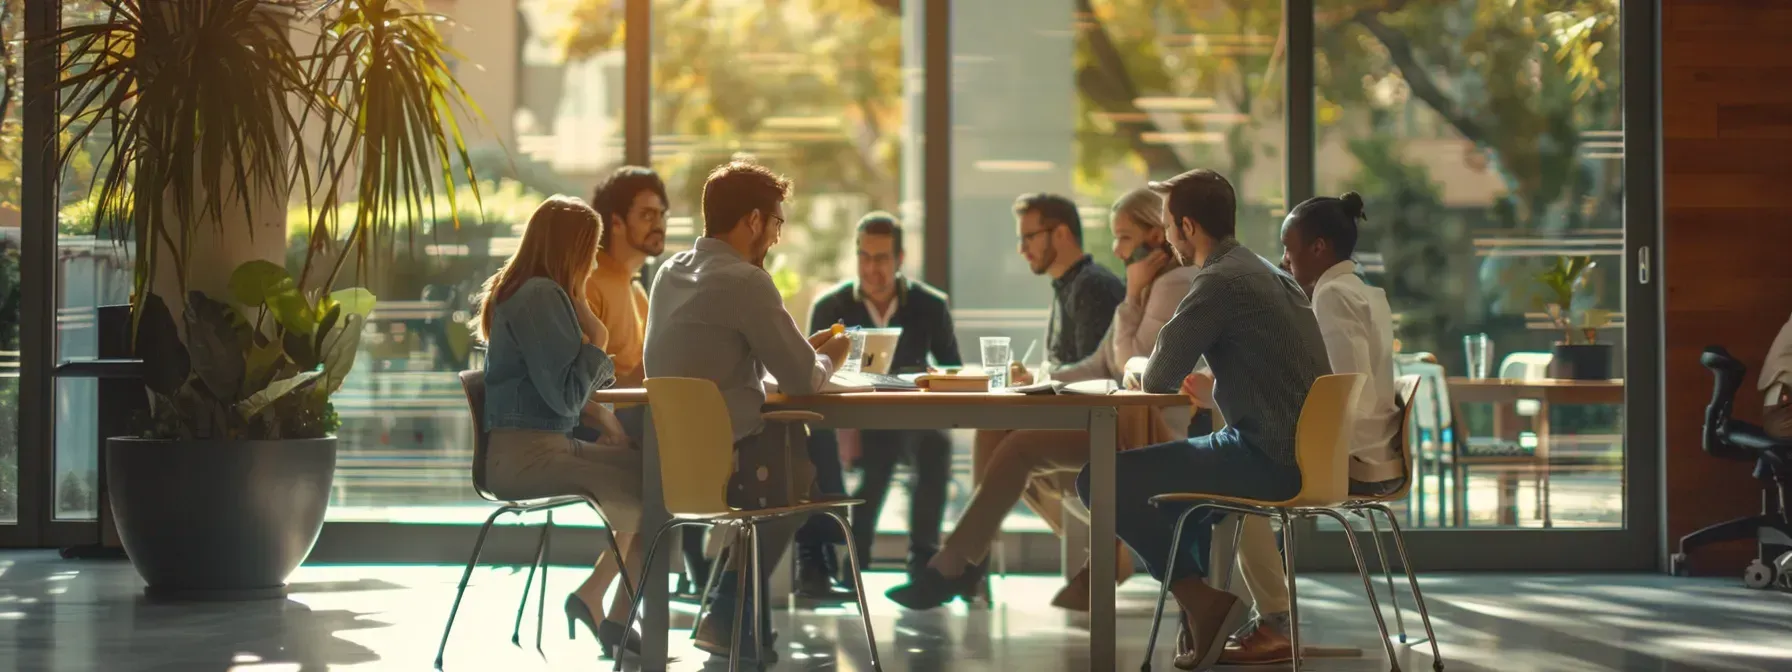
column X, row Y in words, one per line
column 1353, row 205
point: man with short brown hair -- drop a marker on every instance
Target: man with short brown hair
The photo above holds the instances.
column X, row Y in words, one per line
column 715, row 314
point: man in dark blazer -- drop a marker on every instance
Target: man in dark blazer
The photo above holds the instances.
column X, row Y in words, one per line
column 881, row 297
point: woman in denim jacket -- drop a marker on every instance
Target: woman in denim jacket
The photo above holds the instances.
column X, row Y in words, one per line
column 544, row 359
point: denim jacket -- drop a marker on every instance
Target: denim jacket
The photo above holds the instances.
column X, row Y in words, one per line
column 538, row 368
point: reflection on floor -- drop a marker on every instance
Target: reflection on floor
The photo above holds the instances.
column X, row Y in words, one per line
column 59, row 615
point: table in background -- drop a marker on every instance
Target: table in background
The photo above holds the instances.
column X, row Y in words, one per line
column 1546, row 392
column 937, row 410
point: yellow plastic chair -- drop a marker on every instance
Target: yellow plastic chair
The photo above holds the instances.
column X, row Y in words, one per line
column 696, row 449
column 1322, row 454
column 1406, row 388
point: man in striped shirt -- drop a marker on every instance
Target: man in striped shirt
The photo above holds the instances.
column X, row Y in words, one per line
column 1257, row 331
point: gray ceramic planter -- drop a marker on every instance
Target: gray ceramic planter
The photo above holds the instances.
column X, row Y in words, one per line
column 218, row 520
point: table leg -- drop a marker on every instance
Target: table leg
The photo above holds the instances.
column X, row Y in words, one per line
column 1101, row 539
column 655, row 616
column 1543, row 462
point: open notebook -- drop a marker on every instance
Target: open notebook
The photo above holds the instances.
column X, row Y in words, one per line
column 1098, row 387
column 857, row 381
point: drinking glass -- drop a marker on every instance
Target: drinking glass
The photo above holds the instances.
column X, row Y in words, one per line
column 996, row 357
column 855, row 353
column 1479, row 349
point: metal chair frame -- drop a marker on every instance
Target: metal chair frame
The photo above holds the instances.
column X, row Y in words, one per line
column 473, row 384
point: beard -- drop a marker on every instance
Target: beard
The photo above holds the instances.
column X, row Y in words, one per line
column 762, row 246
column 1047, row 257
column 652, row 243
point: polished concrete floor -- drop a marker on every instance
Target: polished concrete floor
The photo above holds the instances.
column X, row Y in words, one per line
column 63, row 615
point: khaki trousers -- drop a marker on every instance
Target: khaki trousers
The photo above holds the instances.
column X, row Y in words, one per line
column 529, row 464
column 1038, row 467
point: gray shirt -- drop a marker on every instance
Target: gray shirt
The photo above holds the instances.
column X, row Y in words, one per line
column 1257, row 330
column 713, row 315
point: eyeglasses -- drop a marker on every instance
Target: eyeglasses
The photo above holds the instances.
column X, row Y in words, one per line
column 1027, row 238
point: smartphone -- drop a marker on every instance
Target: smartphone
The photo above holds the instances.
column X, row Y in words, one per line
column 1141, row 252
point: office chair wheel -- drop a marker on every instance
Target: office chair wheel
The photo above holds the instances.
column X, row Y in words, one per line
column 1677, row 565
column 1758, row 576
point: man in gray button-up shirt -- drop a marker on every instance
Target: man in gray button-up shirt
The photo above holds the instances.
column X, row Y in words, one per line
column 1257, row 331
column 715, row 314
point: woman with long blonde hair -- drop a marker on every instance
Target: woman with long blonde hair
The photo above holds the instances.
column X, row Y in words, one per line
column 544, row 358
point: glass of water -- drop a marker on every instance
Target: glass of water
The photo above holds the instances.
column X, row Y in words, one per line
column 996, row 357
column 855, row 353
column 1479, row 349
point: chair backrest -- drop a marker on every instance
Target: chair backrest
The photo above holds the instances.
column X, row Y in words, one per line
column 1526, row 366
column 1322, row 439
column 696, row 443
column 473, row 383
column 1406, row 389
column 1727, row 373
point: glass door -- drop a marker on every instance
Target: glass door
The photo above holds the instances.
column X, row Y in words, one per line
column 1507, row 170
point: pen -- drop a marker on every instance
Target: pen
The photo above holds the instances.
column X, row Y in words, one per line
column 1029, row 355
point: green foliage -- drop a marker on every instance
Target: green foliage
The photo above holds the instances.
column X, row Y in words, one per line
column 261, row 368
column 208, row 103
column 1562, row 281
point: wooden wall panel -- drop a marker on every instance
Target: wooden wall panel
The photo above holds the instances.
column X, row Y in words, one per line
column 1727, row 236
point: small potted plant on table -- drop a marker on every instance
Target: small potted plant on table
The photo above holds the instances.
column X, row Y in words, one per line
column 1590, row 360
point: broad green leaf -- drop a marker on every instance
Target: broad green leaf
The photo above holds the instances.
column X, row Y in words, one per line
column 259, row 401
column 354, row 300
column 216, row 347
column 259, row 281
column 263, row 364
column 165, row 361
column 339, row 354
column 294, row 313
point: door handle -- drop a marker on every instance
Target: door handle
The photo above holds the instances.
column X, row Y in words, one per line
column 1642, row 265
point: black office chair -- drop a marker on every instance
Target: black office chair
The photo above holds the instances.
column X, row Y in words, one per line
column 1729, row 438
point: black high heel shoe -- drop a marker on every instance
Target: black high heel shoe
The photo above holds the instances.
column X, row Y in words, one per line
column 929, row 588
column 609, row 634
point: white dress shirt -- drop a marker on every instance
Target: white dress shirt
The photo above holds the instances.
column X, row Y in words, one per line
column 1776, row 369
column 1358, row 328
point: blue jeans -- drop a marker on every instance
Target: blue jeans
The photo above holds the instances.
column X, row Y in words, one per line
column 1218, row 463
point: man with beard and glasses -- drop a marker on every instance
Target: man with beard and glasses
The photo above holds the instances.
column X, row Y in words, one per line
column 715, row 314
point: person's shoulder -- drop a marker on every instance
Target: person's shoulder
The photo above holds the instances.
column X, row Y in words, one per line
column 923, row 293
column 539, row 288
column 840, row 293
column 1098, row 278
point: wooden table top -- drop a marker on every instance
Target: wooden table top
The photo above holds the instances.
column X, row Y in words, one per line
column 1496, row 390
column 629, row 396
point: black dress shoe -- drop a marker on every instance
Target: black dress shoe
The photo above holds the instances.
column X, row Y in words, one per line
column 929, row 588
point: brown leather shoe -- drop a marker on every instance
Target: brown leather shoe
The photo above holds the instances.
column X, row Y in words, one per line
column 1263, row 646
column 1074, row 596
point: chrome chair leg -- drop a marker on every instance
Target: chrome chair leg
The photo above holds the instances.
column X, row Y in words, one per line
column 465, row 575
column 628, row 587
column 541, row 545
column 1412, row 579
column 1362, row 570
column 1293, row 594
column 858, row 580
column 541, row 603
column 756, row 566
column 740, row 603
column 653, row 546
column 709, row 586
column 1387, row 571
column 1163, row 589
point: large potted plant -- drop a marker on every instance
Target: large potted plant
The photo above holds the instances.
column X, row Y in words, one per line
column 1590, row 360
column 217, row 119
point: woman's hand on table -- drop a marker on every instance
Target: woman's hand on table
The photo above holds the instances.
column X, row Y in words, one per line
column 1018, row 375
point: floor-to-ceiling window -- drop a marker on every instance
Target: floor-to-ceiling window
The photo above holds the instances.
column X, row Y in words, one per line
column 1486, row 136
column 12, row 85
column 1487, row 141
